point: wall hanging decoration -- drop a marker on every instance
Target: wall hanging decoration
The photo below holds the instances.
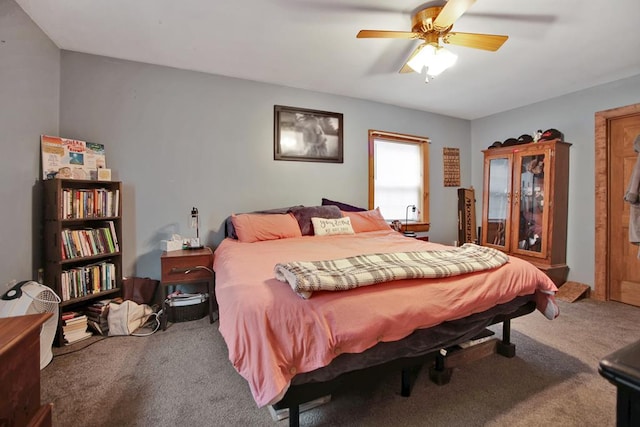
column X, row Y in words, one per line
column 307, row 135
column 451, row 160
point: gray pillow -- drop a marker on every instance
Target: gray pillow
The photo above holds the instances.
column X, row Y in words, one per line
column 343, row 206
column 304, row 214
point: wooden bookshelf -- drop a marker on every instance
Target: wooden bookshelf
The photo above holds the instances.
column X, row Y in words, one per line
column 82, row 241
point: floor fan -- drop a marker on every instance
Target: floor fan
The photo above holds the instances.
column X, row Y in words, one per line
column 29, row 297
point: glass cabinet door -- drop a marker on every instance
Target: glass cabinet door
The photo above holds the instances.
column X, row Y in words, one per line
column 498, row 202
column 529, row 184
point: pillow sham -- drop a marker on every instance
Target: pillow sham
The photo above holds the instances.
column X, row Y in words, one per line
column 304, row 214
column 230, row 230
column 342, row 206
column 257, row 227
column 327, row 227
column 367, row 221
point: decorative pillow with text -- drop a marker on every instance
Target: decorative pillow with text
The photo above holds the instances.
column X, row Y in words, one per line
column 326, row 227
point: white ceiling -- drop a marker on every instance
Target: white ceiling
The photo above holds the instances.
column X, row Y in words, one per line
column 555, row 46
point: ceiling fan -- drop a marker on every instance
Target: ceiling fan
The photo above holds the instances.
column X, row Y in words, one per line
column 433, row 26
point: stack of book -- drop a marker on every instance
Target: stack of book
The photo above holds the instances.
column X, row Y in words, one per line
column 74, row 327
column 98, row 316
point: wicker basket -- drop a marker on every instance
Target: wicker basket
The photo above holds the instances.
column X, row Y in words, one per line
column 194, row 309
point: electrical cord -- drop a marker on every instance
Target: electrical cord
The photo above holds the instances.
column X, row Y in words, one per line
column 199, row 267
column 157, row 319
column 81, row 348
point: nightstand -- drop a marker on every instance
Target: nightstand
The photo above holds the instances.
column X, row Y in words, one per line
column 422, row 236
column 188, row 267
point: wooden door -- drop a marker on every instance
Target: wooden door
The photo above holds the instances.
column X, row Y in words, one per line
column 624, row 266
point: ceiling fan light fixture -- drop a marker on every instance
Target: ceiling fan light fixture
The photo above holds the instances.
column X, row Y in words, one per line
column 423, row 58
column 440, row 61
column 432, row 25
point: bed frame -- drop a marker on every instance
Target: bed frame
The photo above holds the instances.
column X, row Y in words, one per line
column 402, row 355
column 408, row 355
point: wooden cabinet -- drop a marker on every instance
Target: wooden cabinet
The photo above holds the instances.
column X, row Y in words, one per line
column 524, row 209
column 82, row 241
column 20, row 374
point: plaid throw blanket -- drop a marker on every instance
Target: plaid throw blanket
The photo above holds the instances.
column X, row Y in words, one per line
column 304, row 277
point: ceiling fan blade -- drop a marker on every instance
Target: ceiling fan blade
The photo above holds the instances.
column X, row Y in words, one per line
column 382, row 34
column 405, row 68
column 450, row 13
column 490, row 42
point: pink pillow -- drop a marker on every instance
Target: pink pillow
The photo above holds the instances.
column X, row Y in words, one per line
column 256, row 227
column 367, row 221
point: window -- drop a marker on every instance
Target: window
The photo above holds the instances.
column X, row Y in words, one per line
column 399, row 177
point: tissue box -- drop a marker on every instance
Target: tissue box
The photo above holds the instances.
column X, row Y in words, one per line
column 171, row 245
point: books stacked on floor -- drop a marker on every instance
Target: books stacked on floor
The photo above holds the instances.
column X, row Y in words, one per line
column 98, row 316
column 74, row 327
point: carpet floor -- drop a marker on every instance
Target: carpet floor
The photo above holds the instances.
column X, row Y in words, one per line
column 182, row 376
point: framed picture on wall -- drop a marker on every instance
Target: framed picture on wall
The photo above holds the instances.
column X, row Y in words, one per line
column 307, row 135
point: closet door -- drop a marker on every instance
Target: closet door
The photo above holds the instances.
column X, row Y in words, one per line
column 624, row 268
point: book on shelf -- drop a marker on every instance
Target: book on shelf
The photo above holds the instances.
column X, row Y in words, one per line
column 89, row 203
column 97, row 327
column 74, row 326
column 101, row 328
column 87, row 280
column 69, row 315
column 72, row 339
column 114, row 236
column 80, row 327
column 73, row 323
column 94, row 311
column 97, row 310
column 98, row 315
column 89, row 241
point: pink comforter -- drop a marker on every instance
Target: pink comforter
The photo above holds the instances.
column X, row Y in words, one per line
column 272, row 334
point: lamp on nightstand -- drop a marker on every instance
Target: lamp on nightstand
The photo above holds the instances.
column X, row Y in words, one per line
column 406, row 231
column 194, row 223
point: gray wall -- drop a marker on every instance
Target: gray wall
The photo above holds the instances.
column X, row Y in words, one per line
column 179, row 139
column 29, row 83
column 572, row 114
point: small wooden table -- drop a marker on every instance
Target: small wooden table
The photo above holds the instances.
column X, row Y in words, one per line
column 187, row 267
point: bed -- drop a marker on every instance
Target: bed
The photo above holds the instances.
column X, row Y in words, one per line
column 292, row 348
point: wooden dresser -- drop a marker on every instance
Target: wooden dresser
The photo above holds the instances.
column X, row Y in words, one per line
column 20, row 372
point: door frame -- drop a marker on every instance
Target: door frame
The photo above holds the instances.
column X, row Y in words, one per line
column 602, row 193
